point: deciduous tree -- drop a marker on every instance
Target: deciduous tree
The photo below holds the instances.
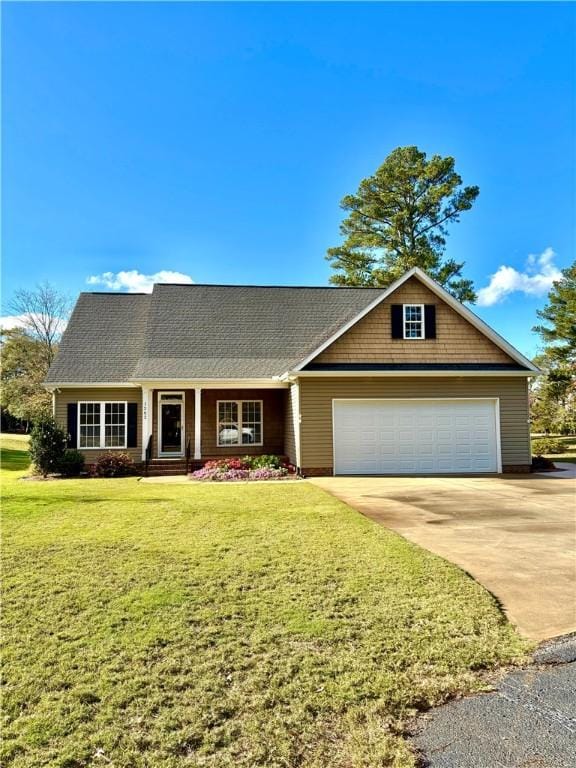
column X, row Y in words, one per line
column 23, row 370
column 42, row 312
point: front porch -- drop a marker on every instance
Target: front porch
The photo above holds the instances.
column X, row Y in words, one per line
column 183, row 428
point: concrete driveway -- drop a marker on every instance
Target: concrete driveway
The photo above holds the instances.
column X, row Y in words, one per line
column 515, row 534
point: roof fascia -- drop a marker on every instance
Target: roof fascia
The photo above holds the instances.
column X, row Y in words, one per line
column 294, row 375
column 263, row 383
column 52, row 385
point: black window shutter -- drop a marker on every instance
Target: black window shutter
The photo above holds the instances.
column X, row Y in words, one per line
column 132, row 432
column 397, row 315
column 72, row 426
column 430, row 320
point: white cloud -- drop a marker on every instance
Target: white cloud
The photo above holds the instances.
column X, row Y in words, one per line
column 536, row 280
column 133, row 281
column 9, row 322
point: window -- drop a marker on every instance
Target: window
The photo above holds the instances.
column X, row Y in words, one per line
column 102, row 425
column 239, row 422
column 413, row 321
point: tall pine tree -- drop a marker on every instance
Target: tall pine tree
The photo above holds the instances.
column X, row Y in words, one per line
column 558, row 331
column 398, row 219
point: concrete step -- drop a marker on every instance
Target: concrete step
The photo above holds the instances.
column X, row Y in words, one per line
column 168, row 464
column 166, row 467
column 155, row 472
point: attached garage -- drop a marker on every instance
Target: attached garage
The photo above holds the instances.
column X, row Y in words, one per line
column 416, row 436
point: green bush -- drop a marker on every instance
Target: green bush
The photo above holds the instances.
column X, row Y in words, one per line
column 47, row 446
column 72, row 463
column 540, row 463
column 545, row 445
column 266, row 461
column 114, row 464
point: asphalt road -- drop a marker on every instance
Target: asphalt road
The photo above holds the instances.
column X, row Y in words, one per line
column 528, row 722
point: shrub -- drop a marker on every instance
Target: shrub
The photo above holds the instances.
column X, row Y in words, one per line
column 544, row 445
column 268, row 461
column 540, row 463
column 114, row 464
column 71, row 463
column 47, row 446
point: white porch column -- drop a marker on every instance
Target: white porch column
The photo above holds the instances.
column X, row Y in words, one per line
column 146, row 419
column 197, row 422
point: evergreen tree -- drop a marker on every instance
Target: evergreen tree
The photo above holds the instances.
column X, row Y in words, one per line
column 558, row 330
column 398, row 219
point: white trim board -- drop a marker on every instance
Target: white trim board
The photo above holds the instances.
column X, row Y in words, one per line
column 442, row 294
column 51, row 386
column 269, row 383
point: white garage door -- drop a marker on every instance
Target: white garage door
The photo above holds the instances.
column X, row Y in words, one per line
column 405, row 437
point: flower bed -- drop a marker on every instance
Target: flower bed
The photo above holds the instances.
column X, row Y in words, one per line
column 246, row 468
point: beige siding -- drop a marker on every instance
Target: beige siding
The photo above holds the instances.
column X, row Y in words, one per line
column 316, row 396
column 291, row 424
column 97, row 394
column 370, row 339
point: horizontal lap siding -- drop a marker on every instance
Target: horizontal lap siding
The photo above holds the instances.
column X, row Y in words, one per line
column 370, row 340
column 316, row 408
column 99, row 394
column 273, row 419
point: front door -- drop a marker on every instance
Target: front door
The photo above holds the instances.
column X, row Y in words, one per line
column 171, row 424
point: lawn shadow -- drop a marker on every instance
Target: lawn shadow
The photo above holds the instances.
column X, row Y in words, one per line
column 14, row 461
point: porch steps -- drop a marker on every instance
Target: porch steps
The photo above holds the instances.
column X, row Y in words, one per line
column 166, row 467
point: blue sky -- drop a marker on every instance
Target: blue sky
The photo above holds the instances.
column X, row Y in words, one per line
column 216, row 140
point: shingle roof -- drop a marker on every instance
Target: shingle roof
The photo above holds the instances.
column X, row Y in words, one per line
column 103, row 340
column 200, row 331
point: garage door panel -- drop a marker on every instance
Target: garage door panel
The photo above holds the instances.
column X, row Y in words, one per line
column 415, row 437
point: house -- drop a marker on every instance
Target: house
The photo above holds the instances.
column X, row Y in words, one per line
column 402, row 380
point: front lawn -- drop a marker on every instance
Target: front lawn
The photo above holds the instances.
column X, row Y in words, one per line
column 569, row 453
column 218, row 626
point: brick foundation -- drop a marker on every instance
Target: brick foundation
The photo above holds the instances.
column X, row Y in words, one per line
column 516, row 469
column 316, row 471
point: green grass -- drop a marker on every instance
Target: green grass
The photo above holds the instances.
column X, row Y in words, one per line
column 569, row 453
column 164, row 626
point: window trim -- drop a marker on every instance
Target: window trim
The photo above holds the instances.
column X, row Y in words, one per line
column 422, row 323
column 102, row 446
column 240, row 423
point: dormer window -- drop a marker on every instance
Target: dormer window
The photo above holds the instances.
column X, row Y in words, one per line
column 414, row 321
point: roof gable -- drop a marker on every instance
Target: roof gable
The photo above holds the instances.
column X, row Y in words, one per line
column 462, row 337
